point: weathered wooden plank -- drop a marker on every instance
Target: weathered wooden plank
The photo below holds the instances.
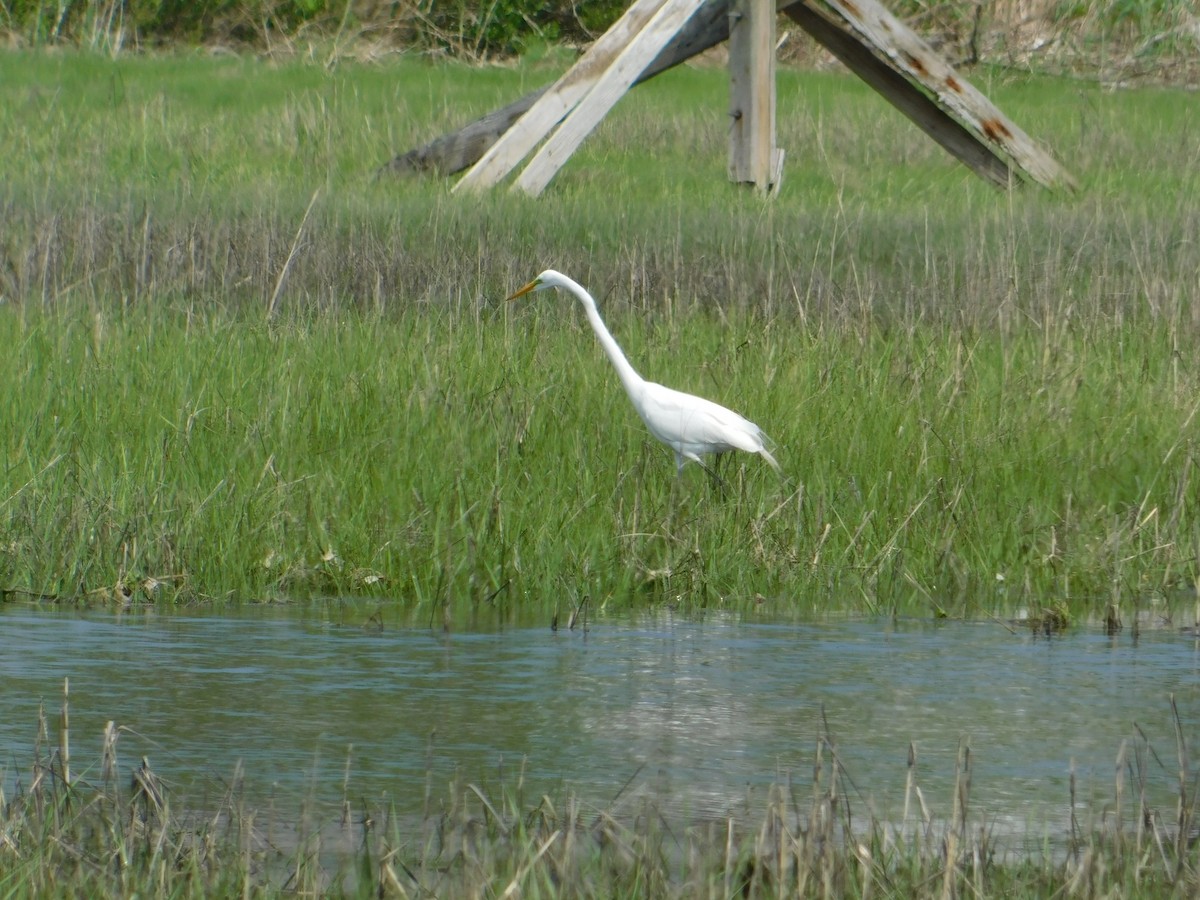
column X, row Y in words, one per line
column 916, row 59
column 453, row 152
column 458, row 150
column 639, row 52
column 752, row 92
column 550, row 108
column 898, row 91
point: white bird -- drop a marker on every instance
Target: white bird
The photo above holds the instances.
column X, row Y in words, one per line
column 689, row 425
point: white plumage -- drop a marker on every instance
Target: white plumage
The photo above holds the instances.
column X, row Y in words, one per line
column 689, row 425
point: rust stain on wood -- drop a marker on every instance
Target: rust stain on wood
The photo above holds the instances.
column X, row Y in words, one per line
column 952, row 84
column 916, row 64
column 852, row 9
column 996, row 130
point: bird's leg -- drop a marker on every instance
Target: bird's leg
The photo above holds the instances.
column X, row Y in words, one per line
column 675, row 484
column 716, row 482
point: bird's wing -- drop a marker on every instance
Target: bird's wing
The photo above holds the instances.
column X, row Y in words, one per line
column 675, row 417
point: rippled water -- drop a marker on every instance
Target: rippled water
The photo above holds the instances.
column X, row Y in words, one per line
column 701, row 715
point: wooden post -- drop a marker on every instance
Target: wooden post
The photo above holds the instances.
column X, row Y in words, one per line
column 752, row 154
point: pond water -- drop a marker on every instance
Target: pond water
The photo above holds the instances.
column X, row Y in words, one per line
column 700, row 715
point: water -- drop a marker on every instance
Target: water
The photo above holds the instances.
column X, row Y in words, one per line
column 702, row 716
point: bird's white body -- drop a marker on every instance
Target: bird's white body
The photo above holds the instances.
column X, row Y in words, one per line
column 689, row 425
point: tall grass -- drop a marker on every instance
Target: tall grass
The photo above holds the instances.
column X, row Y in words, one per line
column 492, row 457
column 243, row 366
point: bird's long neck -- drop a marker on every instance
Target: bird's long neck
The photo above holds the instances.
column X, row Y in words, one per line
column 629, row 376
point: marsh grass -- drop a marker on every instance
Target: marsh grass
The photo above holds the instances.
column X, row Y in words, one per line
column 491, row 460
column 243, row 366
column 108, row 829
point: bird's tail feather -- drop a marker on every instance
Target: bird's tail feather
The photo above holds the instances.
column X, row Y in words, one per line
column 766, row 454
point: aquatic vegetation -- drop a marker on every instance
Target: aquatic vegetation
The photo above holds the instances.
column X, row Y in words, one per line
column 115, row 829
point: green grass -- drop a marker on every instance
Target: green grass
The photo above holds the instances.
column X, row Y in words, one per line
column 435, row 456
column 982, row 401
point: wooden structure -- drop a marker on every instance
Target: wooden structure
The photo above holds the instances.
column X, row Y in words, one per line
column 655, row 35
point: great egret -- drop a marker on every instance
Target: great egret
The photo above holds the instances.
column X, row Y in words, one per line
column 689, row 425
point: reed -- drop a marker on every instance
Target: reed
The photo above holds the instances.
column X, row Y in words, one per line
column 90, row 834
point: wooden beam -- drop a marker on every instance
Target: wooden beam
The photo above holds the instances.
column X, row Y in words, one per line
column 752, row 92
column 902, row 51
column 898, row 91
column 550, row 108
column 458, row 150
column 620, row 75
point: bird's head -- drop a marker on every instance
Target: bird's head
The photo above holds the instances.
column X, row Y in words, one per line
column 547, row 279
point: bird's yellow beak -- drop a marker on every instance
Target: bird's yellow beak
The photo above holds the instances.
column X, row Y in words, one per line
column 525, row 290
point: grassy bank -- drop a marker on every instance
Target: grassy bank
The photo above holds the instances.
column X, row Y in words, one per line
column 223, row 387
